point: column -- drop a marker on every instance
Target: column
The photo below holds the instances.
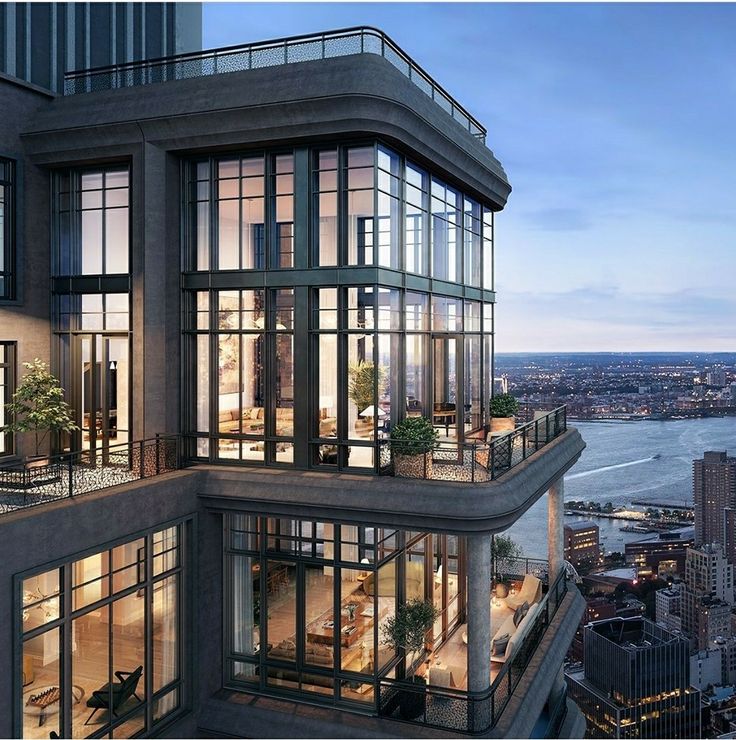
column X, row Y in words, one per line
column 479, row 627
column 555, row 523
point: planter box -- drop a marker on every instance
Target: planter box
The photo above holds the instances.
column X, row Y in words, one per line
column 413, row 466
column 503, row 424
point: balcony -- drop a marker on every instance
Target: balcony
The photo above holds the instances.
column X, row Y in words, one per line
column 453, row 709
column 475, row 461
column 313, row 47
column 25, row 484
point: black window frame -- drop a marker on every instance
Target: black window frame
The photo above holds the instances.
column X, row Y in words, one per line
column 8, row 180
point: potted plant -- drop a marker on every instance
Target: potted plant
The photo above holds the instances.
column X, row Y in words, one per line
column 504, row 554
column 361, row 391
column 38, row 406
column 412, row 442
column 407, row 631
column 503, row 413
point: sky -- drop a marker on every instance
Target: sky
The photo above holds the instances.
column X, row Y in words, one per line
column 616, row 125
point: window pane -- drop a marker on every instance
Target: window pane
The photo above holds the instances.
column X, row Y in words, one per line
column 116, row 241
column 319, row 618
column 39, row 673
column 91, row 242
column 90, row 669
column 281, row 610
column 165, row 632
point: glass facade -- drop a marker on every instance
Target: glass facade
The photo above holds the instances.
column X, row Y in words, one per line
column 7, row 388
column 7, row 229
column 376, row 351
column 101, row 640
column 92, row 329
column 306, row 602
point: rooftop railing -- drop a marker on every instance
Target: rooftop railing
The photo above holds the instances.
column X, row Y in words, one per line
column 472, row 461
column 313, row 47
column 29, row 483
column 454, row 710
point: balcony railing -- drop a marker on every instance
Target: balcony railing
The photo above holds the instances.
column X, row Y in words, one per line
column 24, row 484
column 345, row 42
column 473, row 461
column 452, row 710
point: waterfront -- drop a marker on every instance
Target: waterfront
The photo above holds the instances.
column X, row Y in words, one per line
column 625, row 462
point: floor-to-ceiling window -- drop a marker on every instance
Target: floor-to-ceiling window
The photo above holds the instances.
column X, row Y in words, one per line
column 306, row 603
column 377, row 351
column 92, row 321
column 101, row 641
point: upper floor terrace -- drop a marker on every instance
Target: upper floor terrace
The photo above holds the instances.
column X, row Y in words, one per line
column 472, row 486
column 272, row 53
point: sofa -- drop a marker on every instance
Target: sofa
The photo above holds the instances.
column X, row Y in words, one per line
column 387, row 581
column 314, row 653
column 252, row 421
column 516, row 632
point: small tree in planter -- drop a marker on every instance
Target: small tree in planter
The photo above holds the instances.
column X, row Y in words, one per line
column 412, row 442
column 38, row 405
column 407, row 631
column 503, row 412
column 504, row 551
column 361, row 387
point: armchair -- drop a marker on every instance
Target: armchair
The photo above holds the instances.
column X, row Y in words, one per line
column 113, row 695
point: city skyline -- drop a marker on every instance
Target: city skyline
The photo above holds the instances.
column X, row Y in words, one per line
column 613, row 124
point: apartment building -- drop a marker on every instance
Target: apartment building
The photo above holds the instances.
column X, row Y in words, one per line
column 247, row 266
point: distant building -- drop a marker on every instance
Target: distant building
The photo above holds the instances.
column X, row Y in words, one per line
column 716, row 377
column 661, row 554
column 581, row 543
column 668, row 604
column 714, row 491
column 706, row 668
column 707, row 595
column 635, row 681
column 596, row 608
column 41, row 41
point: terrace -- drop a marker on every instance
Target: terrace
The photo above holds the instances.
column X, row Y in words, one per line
column 306, row 48
column 25, row 484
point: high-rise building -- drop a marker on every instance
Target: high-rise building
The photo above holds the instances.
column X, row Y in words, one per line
column 668, row 605
column 714, row 491
column 636, row 682
column 39, row 42
column 249, row 267
column 708, row 595
column 581, row 543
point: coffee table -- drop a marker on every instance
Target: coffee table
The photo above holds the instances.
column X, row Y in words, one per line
column 43, row 713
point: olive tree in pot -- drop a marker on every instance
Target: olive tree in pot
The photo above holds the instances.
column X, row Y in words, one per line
column 364, row 380
column 38, row 407
column 407, row 631
column 503, row 412
column 412, row 442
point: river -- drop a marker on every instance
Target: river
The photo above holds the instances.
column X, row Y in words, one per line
column 629, row 461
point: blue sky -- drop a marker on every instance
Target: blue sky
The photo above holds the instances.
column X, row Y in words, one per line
column 616, row 124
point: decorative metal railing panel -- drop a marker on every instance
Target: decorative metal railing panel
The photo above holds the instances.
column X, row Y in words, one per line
column 346, row 42
column 30, row 483
column 472, row 461
column 453, row 710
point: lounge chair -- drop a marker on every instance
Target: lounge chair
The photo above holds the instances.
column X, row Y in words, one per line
column 531, row 592
column 113, row 695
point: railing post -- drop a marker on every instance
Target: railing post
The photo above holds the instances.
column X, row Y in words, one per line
column 141, row 450
column 472, row 463
column 158, row 453
column 70, row 474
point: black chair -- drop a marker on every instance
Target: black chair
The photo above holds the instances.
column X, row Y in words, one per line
column 113, row 695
